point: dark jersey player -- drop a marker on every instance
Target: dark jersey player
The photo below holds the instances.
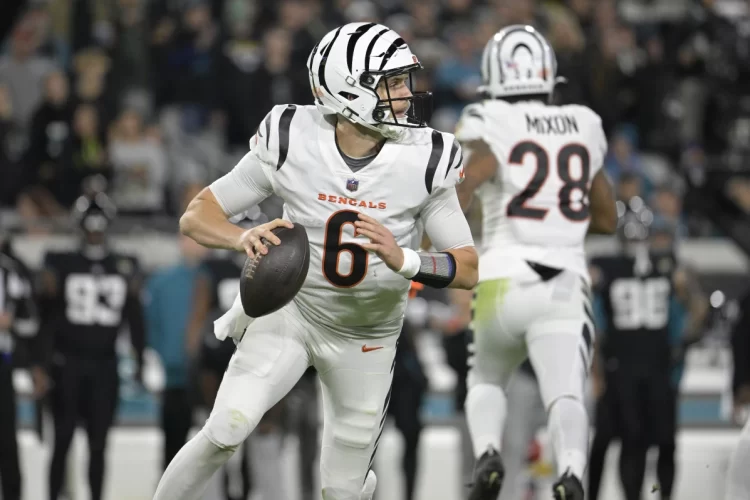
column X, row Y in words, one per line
column 642, row 300
column 91, row 294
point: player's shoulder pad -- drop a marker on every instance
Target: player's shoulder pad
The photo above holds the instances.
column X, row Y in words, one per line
column 271, row 141
column 445, row 164
column 471, row 124
column 593, row 125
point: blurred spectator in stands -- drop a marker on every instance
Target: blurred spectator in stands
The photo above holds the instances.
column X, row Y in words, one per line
column 667, row 205
column 629, row 186
column 521, row 12
column 584, row 12
column 652, row 82
column 249, row 93
column 239, row 61
column 185, row 58
column 457, row 11
column 11, row 170
column 88, row 151
column 568, row 41
column 24, row 72
column 297, row 17
column 424, row 14
column 48, row 157
column 612, row 59
column 91, row 72
column 130, row 62
column 457, row 77
column 431, row 50
column 139, row 167
column 623, row 157
column 361, row 11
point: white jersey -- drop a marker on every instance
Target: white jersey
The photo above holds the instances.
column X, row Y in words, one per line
column 409, row 186
column 536, row 208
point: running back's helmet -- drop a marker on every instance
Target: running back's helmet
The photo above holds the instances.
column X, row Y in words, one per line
column 349, row 63
column 518, row 61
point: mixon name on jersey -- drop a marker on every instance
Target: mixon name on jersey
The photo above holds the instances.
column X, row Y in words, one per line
column 556, row 124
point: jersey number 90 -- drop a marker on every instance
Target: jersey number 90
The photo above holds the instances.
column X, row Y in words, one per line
column 640, row 303
column 518, row 206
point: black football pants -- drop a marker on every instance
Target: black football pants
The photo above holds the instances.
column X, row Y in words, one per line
column 176, row 419
column 86, row 391
column 10, row 472
column 407, row 390
column 645, row 405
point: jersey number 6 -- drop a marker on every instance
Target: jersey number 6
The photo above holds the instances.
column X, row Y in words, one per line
column 518, row 207
column 333, row 248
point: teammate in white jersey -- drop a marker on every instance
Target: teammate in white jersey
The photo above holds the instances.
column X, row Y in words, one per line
column 537, row 170
column 364, row 175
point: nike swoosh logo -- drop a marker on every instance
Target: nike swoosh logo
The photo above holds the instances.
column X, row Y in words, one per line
column 369, row 349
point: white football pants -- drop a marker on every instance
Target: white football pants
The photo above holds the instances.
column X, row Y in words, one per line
column 549, row 322
column 355, row 376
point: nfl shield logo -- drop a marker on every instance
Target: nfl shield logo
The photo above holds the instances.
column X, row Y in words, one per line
column 352, row 184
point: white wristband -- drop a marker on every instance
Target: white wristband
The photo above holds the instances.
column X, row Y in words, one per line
column 412, row 264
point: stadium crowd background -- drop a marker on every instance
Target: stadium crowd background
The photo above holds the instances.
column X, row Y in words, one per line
column 161, row 97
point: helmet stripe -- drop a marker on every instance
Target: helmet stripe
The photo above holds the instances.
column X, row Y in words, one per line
column 322, row 67
column 398, row 42
column 370, row 47
column 353, row 39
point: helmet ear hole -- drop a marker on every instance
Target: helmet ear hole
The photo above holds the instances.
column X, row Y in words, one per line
column 348, row 95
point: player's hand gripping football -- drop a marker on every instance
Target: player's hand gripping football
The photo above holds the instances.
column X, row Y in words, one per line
column 251, row 240
column 382, row 241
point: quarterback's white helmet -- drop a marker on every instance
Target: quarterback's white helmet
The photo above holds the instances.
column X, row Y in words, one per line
column 518, row 61
column 347, row 65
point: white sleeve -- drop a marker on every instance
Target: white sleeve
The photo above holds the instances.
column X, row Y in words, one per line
column 445, row 222
column 246, row 185
column 470, row 126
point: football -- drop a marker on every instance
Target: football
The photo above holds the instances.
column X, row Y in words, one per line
column 269, row 282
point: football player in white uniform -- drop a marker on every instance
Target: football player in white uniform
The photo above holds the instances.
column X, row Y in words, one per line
column 537, row 169
column 363, row 174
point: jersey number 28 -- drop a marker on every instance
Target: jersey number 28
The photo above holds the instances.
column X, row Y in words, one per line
column 518, row 206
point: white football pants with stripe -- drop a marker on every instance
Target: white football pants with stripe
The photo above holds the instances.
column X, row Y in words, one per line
column 273, row 354
column 551, row 323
